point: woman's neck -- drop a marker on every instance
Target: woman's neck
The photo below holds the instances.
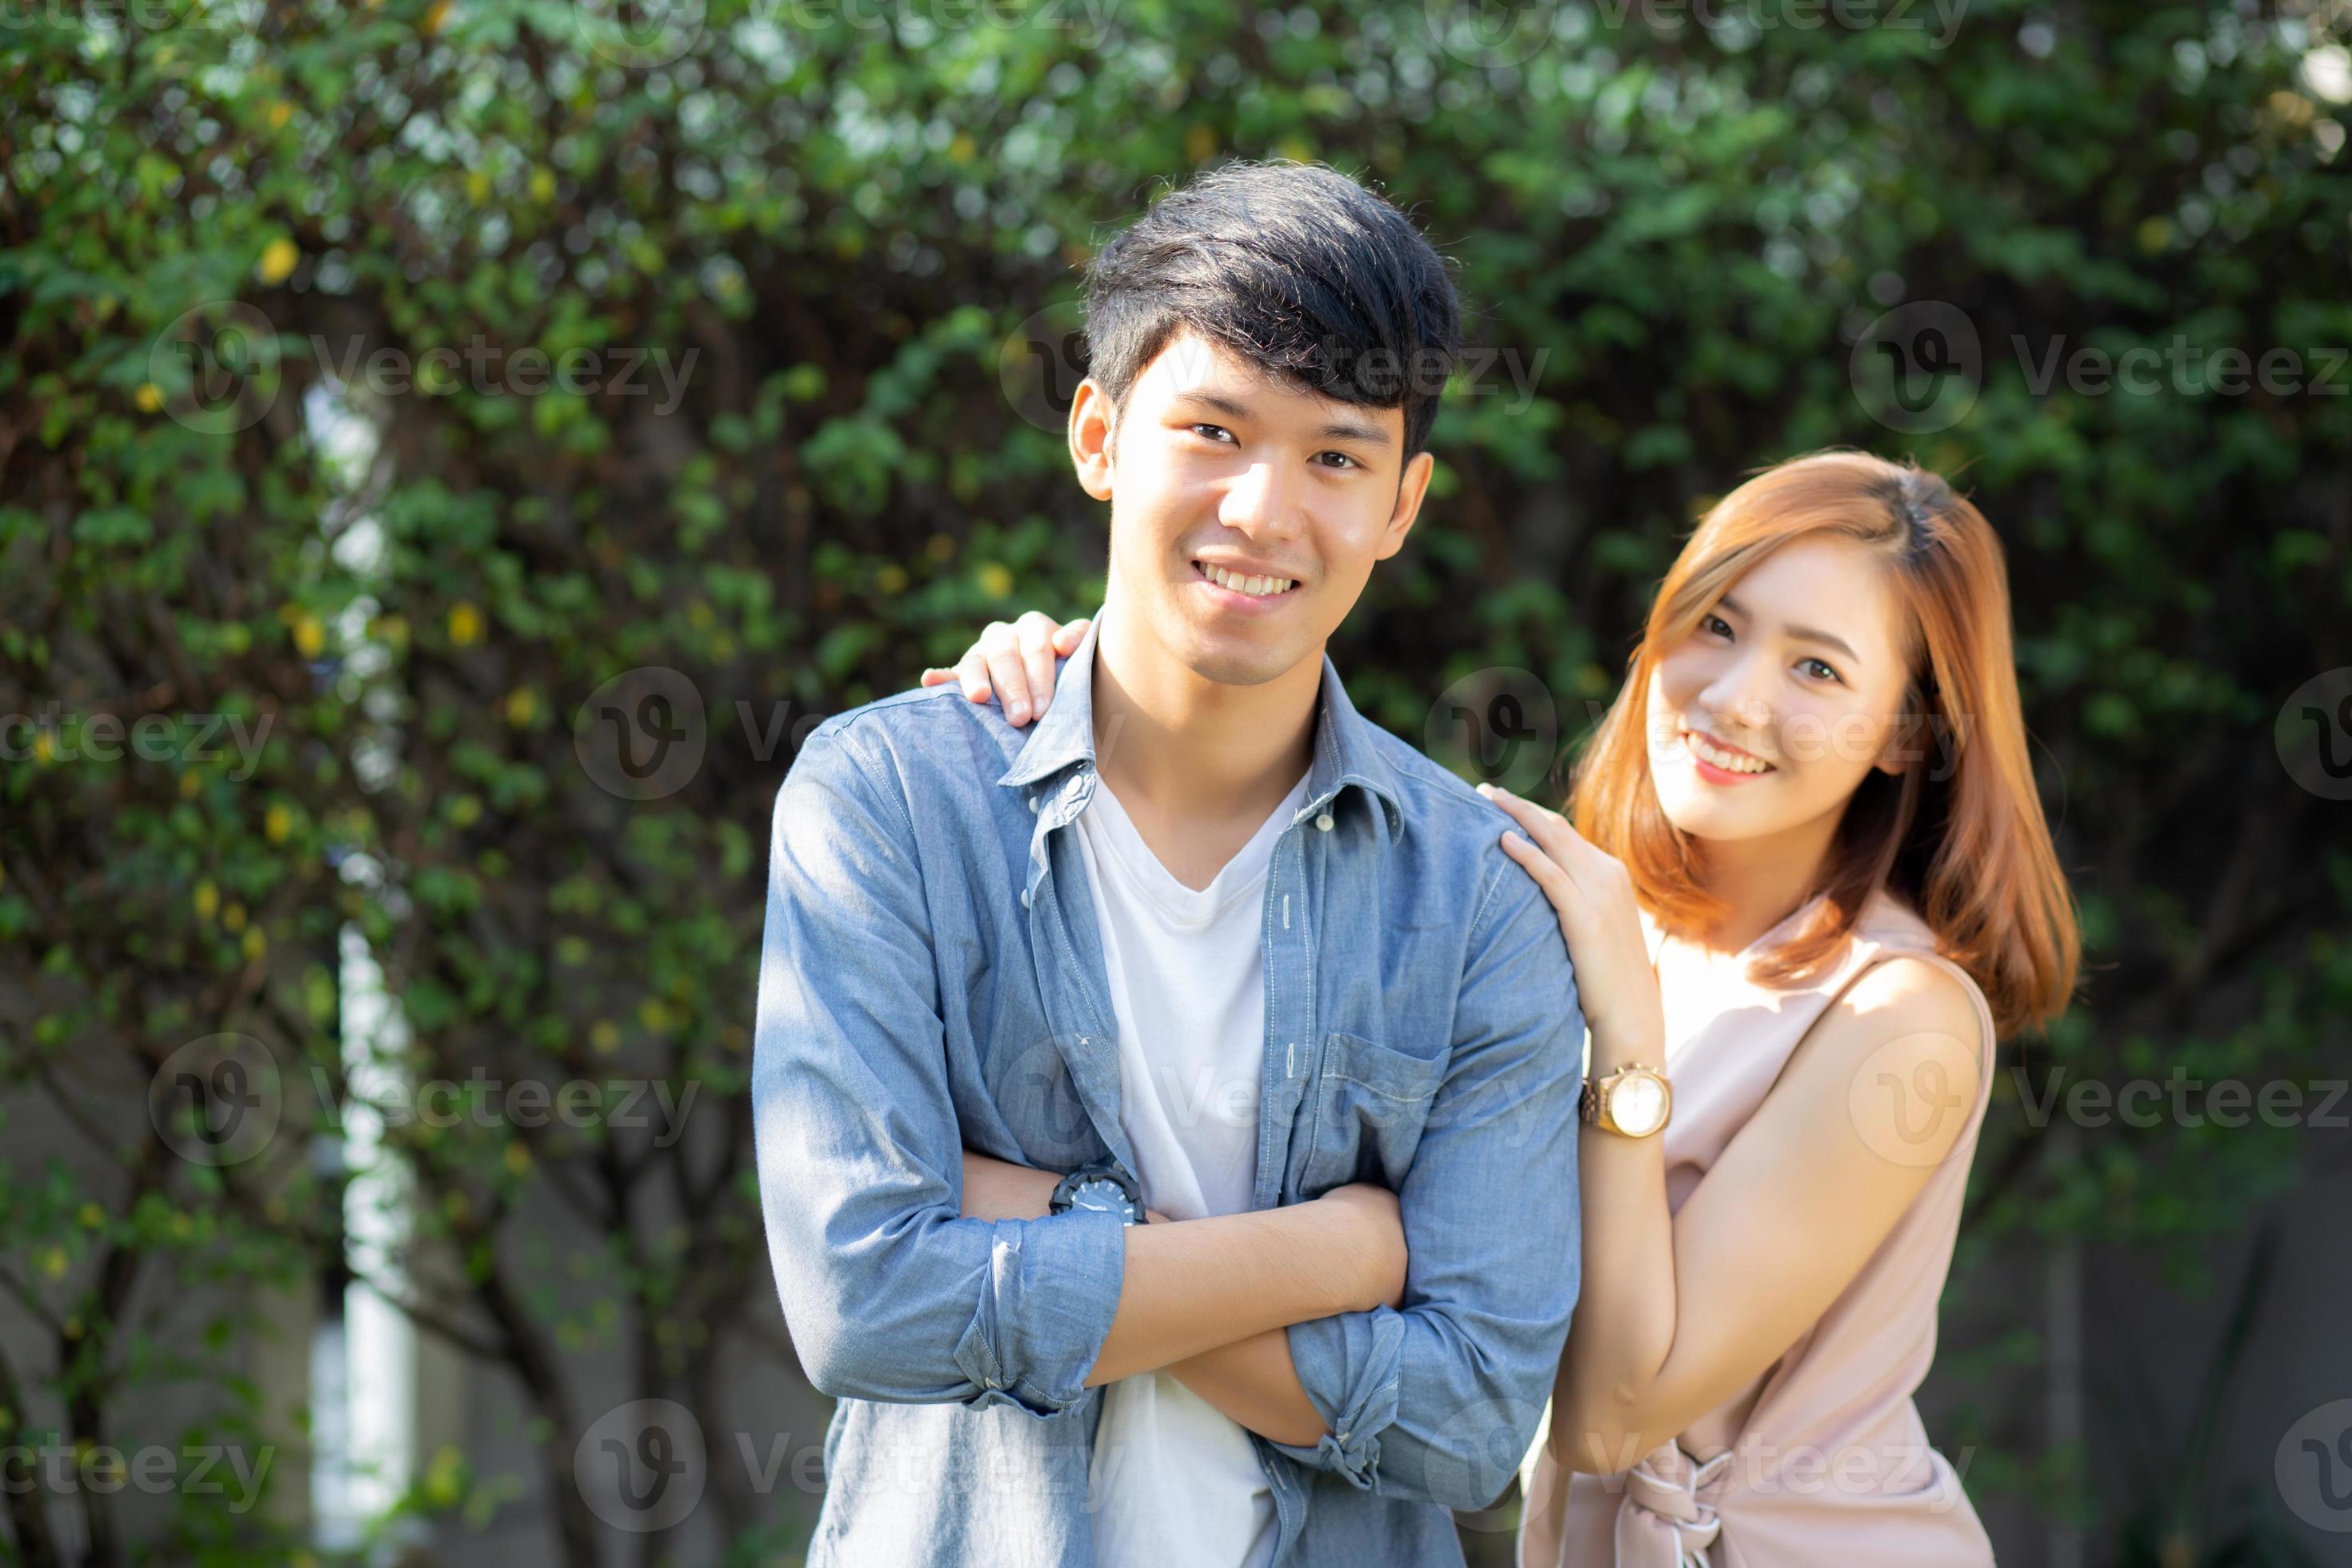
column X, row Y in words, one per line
column 1762, row 881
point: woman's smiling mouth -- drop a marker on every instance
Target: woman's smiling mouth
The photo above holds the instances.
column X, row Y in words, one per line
column 1720, row 763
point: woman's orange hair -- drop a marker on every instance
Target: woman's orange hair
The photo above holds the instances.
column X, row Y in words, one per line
column 1967, row 847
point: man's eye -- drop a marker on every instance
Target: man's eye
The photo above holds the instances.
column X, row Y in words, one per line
column 1214, row 432
column 1819, row 671
column 1339, row 459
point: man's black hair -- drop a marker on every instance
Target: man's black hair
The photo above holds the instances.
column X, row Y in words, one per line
column 1295, row 268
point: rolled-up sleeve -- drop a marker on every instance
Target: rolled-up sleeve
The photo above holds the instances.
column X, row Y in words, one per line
column 889, row 1293
column 1440, row 1400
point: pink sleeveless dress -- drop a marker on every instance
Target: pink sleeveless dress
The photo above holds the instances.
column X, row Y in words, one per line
column 1821, row 1462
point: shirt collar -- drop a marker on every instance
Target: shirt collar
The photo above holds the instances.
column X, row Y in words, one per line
column 1345, row 751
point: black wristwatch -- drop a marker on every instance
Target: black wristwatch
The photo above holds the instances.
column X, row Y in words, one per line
column 1102, row 1185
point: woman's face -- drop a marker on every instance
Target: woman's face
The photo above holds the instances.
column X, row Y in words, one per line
column 1771, row 713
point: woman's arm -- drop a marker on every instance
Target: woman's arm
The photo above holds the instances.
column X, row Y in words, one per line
column 1682, row 1310
column 1015, row 662
column 1251, row 1380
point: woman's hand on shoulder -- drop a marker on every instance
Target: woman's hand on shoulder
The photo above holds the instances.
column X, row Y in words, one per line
column 1601, row 920
column 1014, row 662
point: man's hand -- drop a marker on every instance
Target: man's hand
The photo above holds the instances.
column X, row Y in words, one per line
column 1368, row 1214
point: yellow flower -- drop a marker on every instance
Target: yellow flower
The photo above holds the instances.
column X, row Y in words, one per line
column 523, row 706
column 961, row 148
column 53, row 1263
column 995, row 579
column 604, row 1036
column 1198, row 143
column 435, row 20
column 255, row 943
column 542, row 184
column 207, row 895
column 189, row 784
column 233, row 918
column 478, row 188
column 277, row 259
column 148, row 398
column 891, row 579
column 280, row 111
column 464, row 624
column 518, row 1160
column 92, row 1217
column 276, row 824
column 309, row 637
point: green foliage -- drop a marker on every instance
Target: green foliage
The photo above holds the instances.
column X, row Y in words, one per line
column 418, row 569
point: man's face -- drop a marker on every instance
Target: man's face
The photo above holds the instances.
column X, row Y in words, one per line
column 1245, row 513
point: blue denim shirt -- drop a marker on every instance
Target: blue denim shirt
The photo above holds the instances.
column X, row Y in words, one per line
column 931, row 980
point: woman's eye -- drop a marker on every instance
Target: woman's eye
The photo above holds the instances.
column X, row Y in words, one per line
column 1715, row 624
column 1817, row 670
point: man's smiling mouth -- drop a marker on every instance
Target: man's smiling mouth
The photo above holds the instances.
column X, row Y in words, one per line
column 1255, row 586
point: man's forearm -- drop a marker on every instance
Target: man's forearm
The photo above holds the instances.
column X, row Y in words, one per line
column 1244, row 1371
column 1196, row 1285
column 1254, row 1383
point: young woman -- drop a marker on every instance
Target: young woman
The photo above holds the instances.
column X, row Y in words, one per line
column 1808, row 886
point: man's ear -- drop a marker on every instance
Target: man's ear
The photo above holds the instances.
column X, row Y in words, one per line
column 1410, row 488
column 1091, row 437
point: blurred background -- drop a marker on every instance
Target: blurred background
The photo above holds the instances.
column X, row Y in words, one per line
column 451, row 455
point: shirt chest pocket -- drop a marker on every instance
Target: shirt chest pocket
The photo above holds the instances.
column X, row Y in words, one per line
column 1362, row 1117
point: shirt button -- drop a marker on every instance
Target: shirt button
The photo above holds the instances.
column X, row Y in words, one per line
column 1323, row 822
column 1025, row 897
column 1033, row 804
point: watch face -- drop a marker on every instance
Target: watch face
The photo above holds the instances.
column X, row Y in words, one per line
column 1638, row 1104
column 1103, row 1196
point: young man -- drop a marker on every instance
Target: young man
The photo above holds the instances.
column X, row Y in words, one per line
column 1250, row 972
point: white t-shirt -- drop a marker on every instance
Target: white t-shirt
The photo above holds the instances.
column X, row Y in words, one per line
column 1174, row 1480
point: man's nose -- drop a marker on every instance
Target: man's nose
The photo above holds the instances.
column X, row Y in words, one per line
column 1263, row 501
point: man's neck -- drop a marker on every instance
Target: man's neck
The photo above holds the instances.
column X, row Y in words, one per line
column 1197, row 763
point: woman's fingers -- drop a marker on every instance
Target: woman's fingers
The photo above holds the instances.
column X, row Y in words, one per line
column 999, row 653
column 1556, row 835
column 1036, row 631
column 1557, row 884
column 1073, row 633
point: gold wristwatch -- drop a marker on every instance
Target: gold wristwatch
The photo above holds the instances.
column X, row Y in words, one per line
column 1634, row 1100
